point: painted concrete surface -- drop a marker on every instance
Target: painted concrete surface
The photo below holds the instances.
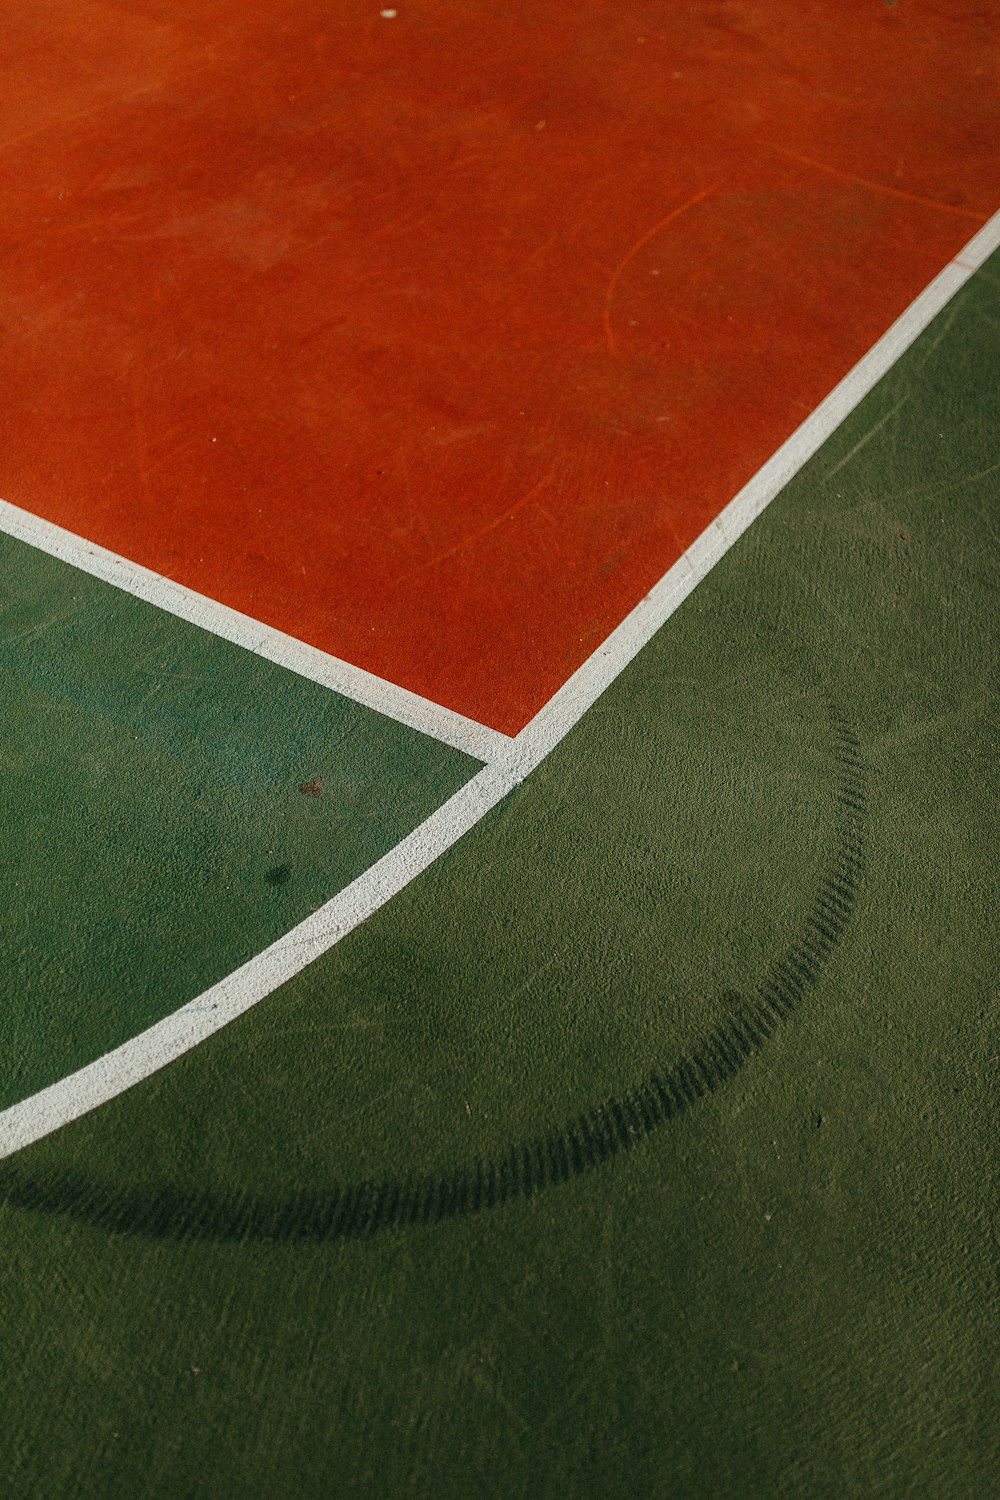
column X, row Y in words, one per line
column 783, row 1287
column 170, row 804
column 434, row 340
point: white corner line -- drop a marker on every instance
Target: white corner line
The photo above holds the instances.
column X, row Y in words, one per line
column 587, row 683
column 444, row 724
column 93, row 1085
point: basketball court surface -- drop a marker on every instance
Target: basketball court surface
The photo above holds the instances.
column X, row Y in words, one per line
column 497, row 768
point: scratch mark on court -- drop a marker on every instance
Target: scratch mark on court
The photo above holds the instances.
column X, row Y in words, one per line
column 395, row 228
column 862, row 442
column 633, row 251
column 878, row 187
column 542, row 249
column 958, row 484
column 36, row 632
column 942, row 333
column 543, row 968
column 475, row 536
column 141, row 439
column 103, row 106
column 939, row 487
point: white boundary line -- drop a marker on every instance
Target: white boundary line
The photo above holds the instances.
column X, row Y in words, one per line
column 454, row 729
column 151, row 1050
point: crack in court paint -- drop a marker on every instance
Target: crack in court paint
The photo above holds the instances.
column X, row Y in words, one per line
column 591, row 1139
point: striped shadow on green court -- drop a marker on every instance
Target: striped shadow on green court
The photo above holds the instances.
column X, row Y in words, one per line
column 642, row 1145
column 156, row 831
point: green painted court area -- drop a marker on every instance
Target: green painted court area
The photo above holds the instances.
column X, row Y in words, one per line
column 151, row 806
column 642, row 1145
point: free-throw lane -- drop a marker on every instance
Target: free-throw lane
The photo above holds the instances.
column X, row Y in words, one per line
column 156, row 830
column 790, row 1281
column 422, row 345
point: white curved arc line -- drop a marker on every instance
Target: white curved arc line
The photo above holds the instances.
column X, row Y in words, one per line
column 162, row 1043
column 79, row 1092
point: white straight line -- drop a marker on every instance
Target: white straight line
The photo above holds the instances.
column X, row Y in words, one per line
column 587, row 683
column 454, row 729
column 980, row 247
column 144, row 1054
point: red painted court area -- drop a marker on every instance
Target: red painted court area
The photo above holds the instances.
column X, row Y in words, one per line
column 433, row 340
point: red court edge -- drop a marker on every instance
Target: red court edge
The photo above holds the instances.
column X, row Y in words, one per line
column 435, row 340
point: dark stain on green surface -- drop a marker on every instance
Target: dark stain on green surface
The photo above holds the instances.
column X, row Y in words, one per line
column 592, row 1138
column 746, row 1305
column 151, row 814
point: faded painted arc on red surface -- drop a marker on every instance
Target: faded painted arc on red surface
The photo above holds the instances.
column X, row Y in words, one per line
column 434, row 341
